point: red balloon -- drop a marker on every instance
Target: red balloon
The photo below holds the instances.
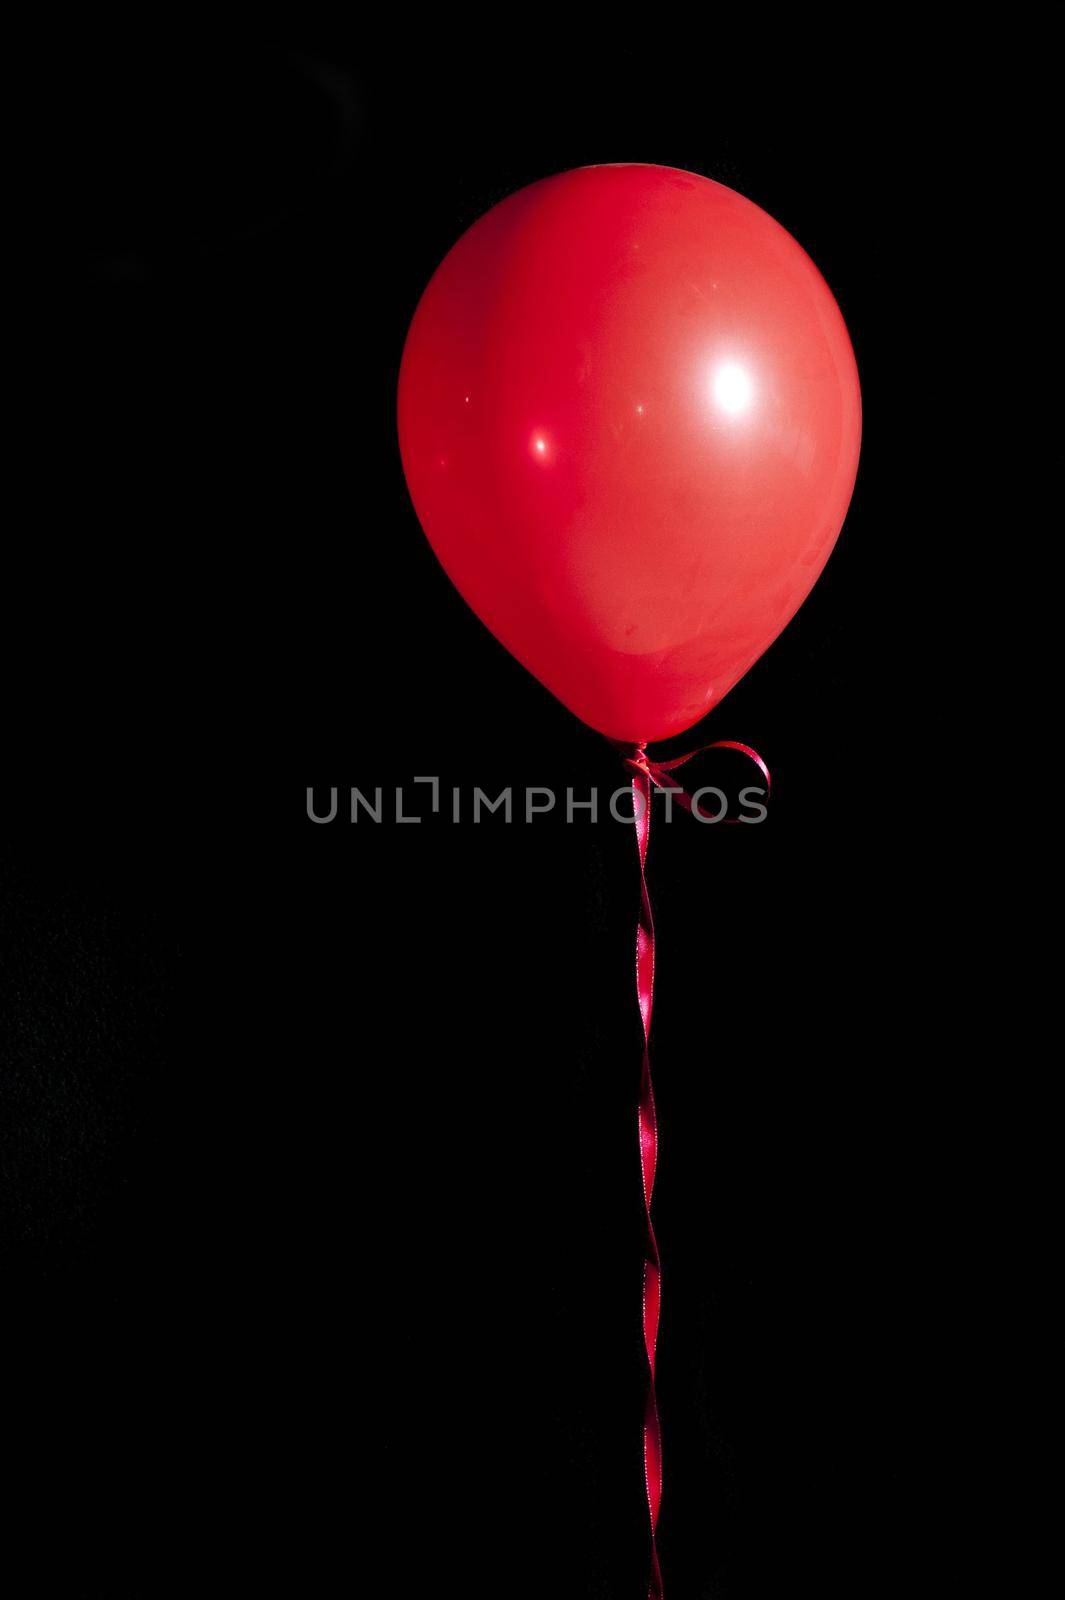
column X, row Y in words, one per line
column 629, row 418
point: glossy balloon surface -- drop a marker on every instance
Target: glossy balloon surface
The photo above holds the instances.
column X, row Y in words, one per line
column 629, row 418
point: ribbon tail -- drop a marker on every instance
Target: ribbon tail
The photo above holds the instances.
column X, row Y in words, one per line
column 646, row 773
column 648, row 1130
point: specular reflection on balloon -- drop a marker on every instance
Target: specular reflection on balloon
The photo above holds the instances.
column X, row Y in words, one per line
column 732, row 388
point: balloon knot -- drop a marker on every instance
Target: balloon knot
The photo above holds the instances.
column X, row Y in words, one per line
column 633, row 755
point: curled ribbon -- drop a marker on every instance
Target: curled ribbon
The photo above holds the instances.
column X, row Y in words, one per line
column 645, row 773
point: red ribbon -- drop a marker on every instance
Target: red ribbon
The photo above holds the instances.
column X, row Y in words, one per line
column 645, row 773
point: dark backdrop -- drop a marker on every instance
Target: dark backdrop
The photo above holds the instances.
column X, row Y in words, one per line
column 324, row 1201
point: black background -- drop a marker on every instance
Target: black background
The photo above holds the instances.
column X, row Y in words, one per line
column 324, row 1204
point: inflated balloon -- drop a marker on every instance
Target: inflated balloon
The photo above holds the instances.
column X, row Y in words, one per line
column 629, row 418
